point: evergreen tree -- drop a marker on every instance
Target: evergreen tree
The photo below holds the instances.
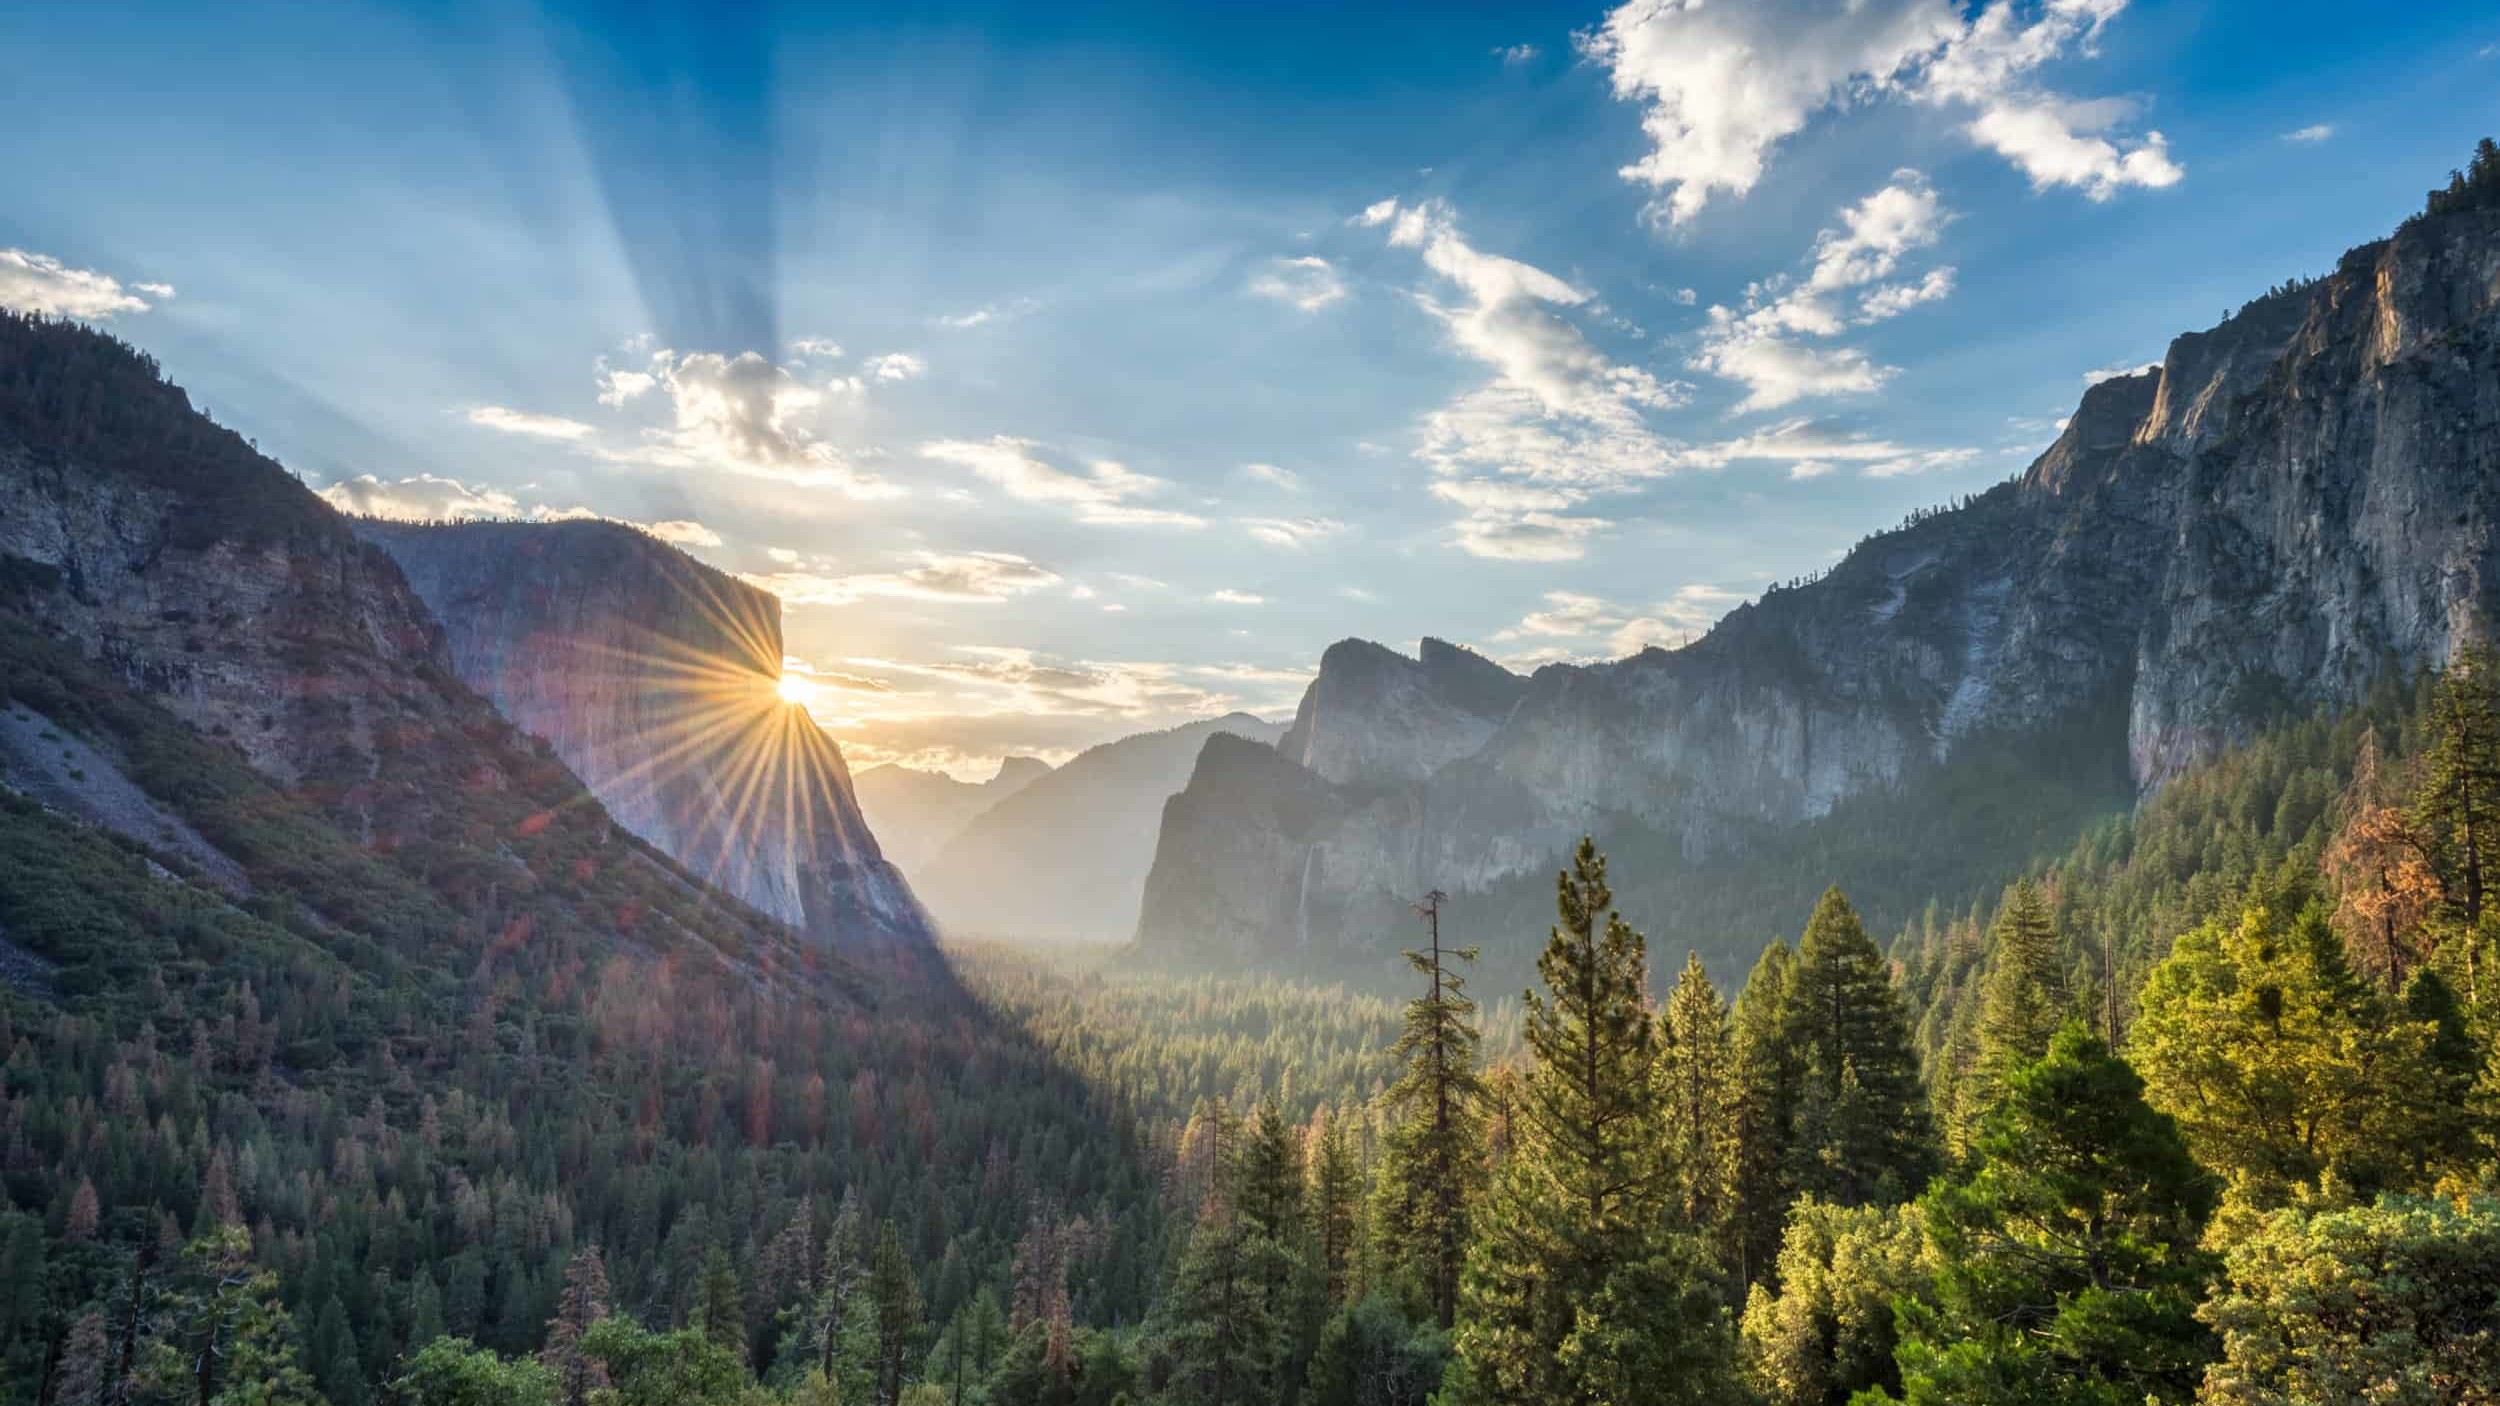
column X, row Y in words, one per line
column 720, row 1310
column 583, row 1303
column 330, row 1355
column 1220, row 1334
column 1827, row 1332
column 2022, row 1002
column 1699, row 1102
column 1769, row 1073
column 896, row 1297
column 1575, row 1291
column 222, row 1338
column 1861, row 1132
column 2069, row 1268
column 2458, row 806
column 1336, row 1208
column 1436, row 1150
column 2279, row 1065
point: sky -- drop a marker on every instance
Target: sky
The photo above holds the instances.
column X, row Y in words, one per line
column 1070, row 371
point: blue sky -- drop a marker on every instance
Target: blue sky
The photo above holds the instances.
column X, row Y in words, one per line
column 1076, row 370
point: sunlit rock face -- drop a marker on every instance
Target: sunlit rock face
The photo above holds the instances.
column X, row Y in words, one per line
column 654, row 678
column 2295, row 502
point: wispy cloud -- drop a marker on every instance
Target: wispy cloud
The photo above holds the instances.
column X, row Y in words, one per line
column 1559, row 422
column 974, row 578
column 498, row 418
column 1309, row 282
column 1291, row 532
column 1102, row 493
column 2310, row 135
column 1762, row 345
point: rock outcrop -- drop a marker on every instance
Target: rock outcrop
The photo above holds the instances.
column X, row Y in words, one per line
column 654, row 678
column 2292, row 504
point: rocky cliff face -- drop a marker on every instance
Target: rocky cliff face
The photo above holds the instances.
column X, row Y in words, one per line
column 2294, row 502
column 653, row 677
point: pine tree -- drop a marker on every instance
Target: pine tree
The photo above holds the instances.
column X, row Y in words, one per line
column 720, row 1309
column 2280, row 1066
column 1769, row 1073
column 2381, row 868
column 223, row 1338
column 2022, row 1002
column 1575, row 1290
column 2070, row 1267
column 896, row 1296
column 1861, row 1133
column 582, row 1304
column 1436, row 1150
column 330, row 1355
column 1699, row 1100
column 1336, row 1207
column 1220, row 1335
column 2458, row 806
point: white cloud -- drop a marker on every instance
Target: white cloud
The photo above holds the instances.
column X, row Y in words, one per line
column 1623, row 630
column 1274, row 476
column 2099, row 374
column 895, row 366
column 427, row 498
column 1309, row 282
column 1517, row 53
column 1229, row 596
column 521, row 422
column 1291, row 532
column 1721, row 85
column 682, row 533
column 2310, row 135
column 1103, row 493
column 1559, row 422
column 821, row 348
column 1812, row 450
column 39, row 283
column 743, row 415
column 980, row 578
column 421, row 498
column 1759, row 345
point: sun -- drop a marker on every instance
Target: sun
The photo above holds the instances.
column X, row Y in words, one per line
column 796, row 688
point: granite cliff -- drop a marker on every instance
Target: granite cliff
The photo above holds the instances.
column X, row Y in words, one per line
column 916, row 812
column 653, row 677
column 2292, row 504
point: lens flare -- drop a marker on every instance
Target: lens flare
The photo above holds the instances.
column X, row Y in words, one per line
column 796, row 688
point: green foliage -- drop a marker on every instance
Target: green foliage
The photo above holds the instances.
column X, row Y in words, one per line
column 2281, row 1068
column 456, row 1372
column 2067, row 1260
column 1576, row 1289
column 1700, row 1101
column 1436, row 1144
column 1861, row 1131
column 2395, row 1303
column 1826, row 1332
column 683, row 1368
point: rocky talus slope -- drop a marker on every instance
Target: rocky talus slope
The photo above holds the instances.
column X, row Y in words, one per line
column 2295, row 502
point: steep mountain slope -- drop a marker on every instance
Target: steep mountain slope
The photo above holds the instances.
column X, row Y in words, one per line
column 2297, row 499
column 298, row 935
column 652, row 676
column 916, row 812
column 1065, row 858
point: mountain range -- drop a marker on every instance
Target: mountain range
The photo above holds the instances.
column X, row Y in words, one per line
column 2291, row 505
column 1052, row 855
